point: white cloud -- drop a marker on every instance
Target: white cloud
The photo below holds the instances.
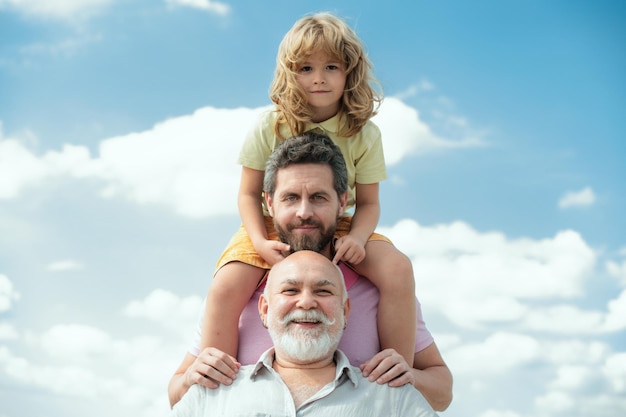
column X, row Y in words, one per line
column 500, row 413
column 573, row 377
column 405, row 134
column 7, row 331
column 187, row 163
column 582, row 198
column 127, row 376
column 169, row 310
column 7, row 293
column 18, row 168
column 555, row 402
column 617, row 270
column 575, row 352
column 415, row 89
column 57, row 9
column 64, row 265
column 75, row 342
column 616, row 318
column 566, row 319
column 494, row 278
column 498, row 354
column 207, row 5
column 615, row 370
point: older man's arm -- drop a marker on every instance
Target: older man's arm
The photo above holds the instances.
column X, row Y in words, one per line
column 429, row 375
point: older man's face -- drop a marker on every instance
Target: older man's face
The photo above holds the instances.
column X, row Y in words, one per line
column 304, row 307
column 305, row 206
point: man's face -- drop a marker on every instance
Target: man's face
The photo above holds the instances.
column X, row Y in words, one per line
column 305, row 206
column 304, row 307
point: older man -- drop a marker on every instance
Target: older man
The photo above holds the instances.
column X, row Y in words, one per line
column 305, row 187
column 305, row 307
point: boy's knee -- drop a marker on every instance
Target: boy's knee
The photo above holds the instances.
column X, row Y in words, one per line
column 400, row 273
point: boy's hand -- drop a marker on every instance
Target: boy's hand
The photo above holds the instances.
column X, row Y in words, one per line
column 212, row 367
column 272, row 251
column 349, row 249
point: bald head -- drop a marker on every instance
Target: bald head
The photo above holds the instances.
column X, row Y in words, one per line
column 307, row 262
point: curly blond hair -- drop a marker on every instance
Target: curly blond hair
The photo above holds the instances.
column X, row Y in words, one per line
column 323, row 32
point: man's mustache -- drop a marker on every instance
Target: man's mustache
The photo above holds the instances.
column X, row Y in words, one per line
column 309, row 316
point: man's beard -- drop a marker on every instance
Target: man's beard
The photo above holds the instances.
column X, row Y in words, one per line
column 305, row 345
column 299, row 242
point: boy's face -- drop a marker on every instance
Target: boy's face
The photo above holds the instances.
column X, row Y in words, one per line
column 323, row 79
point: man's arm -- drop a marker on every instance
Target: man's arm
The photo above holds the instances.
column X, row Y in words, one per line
column 432, row 377
column 209, row 369
column 429, row 375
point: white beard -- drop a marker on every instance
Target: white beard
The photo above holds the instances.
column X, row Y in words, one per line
column 301, row 344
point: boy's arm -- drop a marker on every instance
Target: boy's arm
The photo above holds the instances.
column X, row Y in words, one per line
column 351, row 248
column 249, row 201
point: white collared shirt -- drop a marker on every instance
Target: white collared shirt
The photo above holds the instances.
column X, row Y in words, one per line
column 258, row 391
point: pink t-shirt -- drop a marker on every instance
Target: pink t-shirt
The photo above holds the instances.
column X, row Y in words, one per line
column 360, row 338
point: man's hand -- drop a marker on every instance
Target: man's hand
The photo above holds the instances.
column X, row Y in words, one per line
column 349, row 249
column 388, row 366
column 211, row 368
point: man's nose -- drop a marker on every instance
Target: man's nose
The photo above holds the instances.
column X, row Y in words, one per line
column 307, row 300
column 304, row 210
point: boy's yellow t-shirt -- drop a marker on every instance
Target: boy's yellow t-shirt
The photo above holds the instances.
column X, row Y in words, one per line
column 363, row 152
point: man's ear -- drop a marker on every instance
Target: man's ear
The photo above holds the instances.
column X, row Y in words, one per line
column 263, row 309
column 343, row 201
column 269, row 202
column 346, row 312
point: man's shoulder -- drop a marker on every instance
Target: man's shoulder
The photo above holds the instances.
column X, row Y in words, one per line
column 406, row 398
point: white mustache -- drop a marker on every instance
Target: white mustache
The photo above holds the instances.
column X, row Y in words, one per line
column 311, row 316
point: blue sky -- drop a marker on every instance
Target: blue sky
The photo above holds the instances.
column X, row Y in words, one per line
column 503, row 127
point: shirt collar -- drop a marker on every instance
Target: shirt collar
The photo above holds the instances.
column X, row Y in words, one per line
column 331, row 125
column 343, row 366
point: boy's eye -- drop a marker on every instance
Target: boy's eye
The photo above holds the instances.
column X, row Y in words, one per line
column 332, row 67
column 305, row 68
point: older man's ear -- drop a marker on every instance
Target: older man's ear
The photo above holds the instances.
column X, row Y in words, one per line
column 263, row 310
